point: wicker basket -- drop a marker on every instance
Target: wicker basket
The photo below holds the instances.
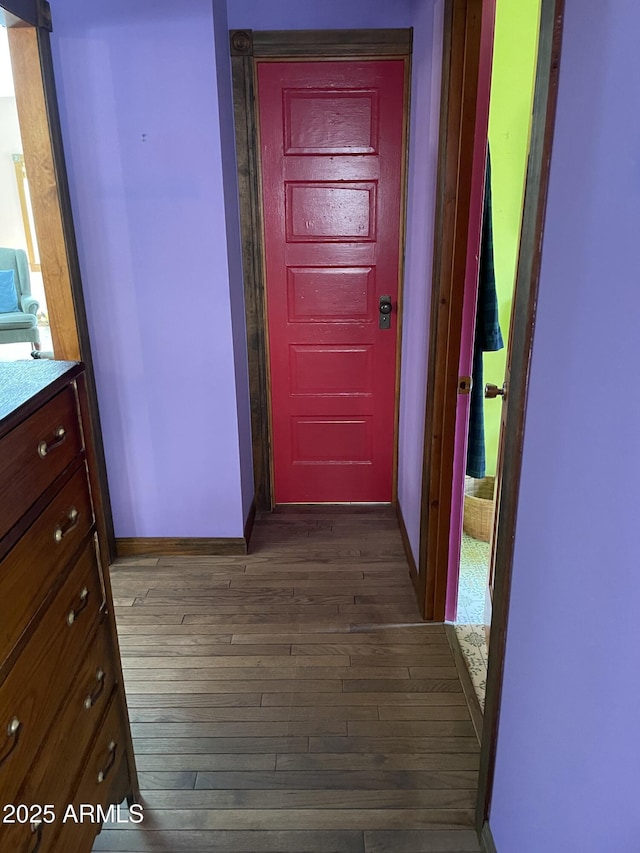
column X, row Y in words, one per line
column 479, row 507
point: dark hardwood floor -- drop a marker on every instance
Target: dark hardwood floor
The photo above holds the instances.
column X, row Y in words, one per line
column 291, row 700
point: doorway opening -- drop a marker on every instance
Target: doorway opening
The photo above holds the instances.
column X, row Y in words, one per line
column 515, row 46
column 462, row 158
column 324, row 374
column 24, row 315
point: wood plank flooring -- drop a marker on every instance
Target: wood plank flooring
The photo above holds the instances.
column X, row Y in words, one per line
column 291, row 700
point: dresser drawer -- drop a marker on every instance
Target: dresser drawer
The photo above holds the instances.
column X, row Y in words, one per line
column 25, row 837
column 30, row 569
column 39, row 681
column 85, row 706
column 103, row 782
column 34, row 453
column 54, row 776
column 62, row 834
column 104, row 764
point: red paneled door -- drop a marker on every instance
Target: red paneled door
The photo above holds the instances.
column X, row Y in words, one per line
column 331, row 142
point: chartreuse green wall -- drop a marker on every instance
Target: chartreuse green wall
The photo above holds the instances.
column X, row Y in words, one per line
column 514, row 60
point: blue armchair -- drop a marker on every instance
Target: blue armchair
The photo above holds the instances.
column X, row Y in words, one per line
column 21, row 325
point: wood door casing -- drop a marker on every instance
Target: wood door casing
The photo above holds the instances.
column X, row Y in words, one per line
column 28, row 30
column 331, row 144
column 458, row 104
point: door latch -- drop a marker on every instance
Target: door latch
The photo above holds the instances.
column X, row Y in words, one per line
column 385, row 307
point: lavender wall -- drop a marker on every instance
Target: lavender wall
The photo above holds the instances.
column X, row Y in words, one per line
column 568, row 749
column 423, row 152
column 140, row 119
column 327, row 14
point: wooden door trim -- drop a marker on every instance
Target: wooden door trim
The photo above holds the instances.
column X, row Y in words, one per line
column 524, row 316
column 44, row 158
column 35, row 104
column 331, row 43
column 246, row 47
column 461, row 55
column 455, row 154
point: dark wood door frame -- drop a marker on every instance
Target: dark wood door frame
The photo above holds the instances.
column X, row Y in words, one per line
column 247, row 46
column 461, row 65
column 459, row 83
column 522, row 331
column 29, row 23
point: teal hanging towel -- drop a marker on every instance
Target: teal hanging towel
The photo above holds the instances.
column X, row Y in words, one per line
column 488, row 337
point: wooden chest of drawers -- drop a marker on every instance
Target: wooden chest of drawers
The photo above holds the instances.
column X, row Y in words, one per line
column 64, row 729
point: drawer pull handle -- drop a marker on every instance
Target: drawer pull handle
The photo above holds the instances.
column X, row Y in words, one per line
column 73, row 614
column 13, row 733
column 46, row 447
column 36, row 828
column 61, row 530
column 93, row 697
column 102, row 774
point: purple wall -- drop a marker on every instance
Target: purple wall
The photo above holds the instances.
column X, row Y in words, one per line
column 326, row 14
column 137, row 90
column 423, row 153
column 569, row 750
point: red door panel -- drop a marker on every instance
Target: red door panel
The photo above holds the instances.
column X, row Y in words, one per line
column 331, row 136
